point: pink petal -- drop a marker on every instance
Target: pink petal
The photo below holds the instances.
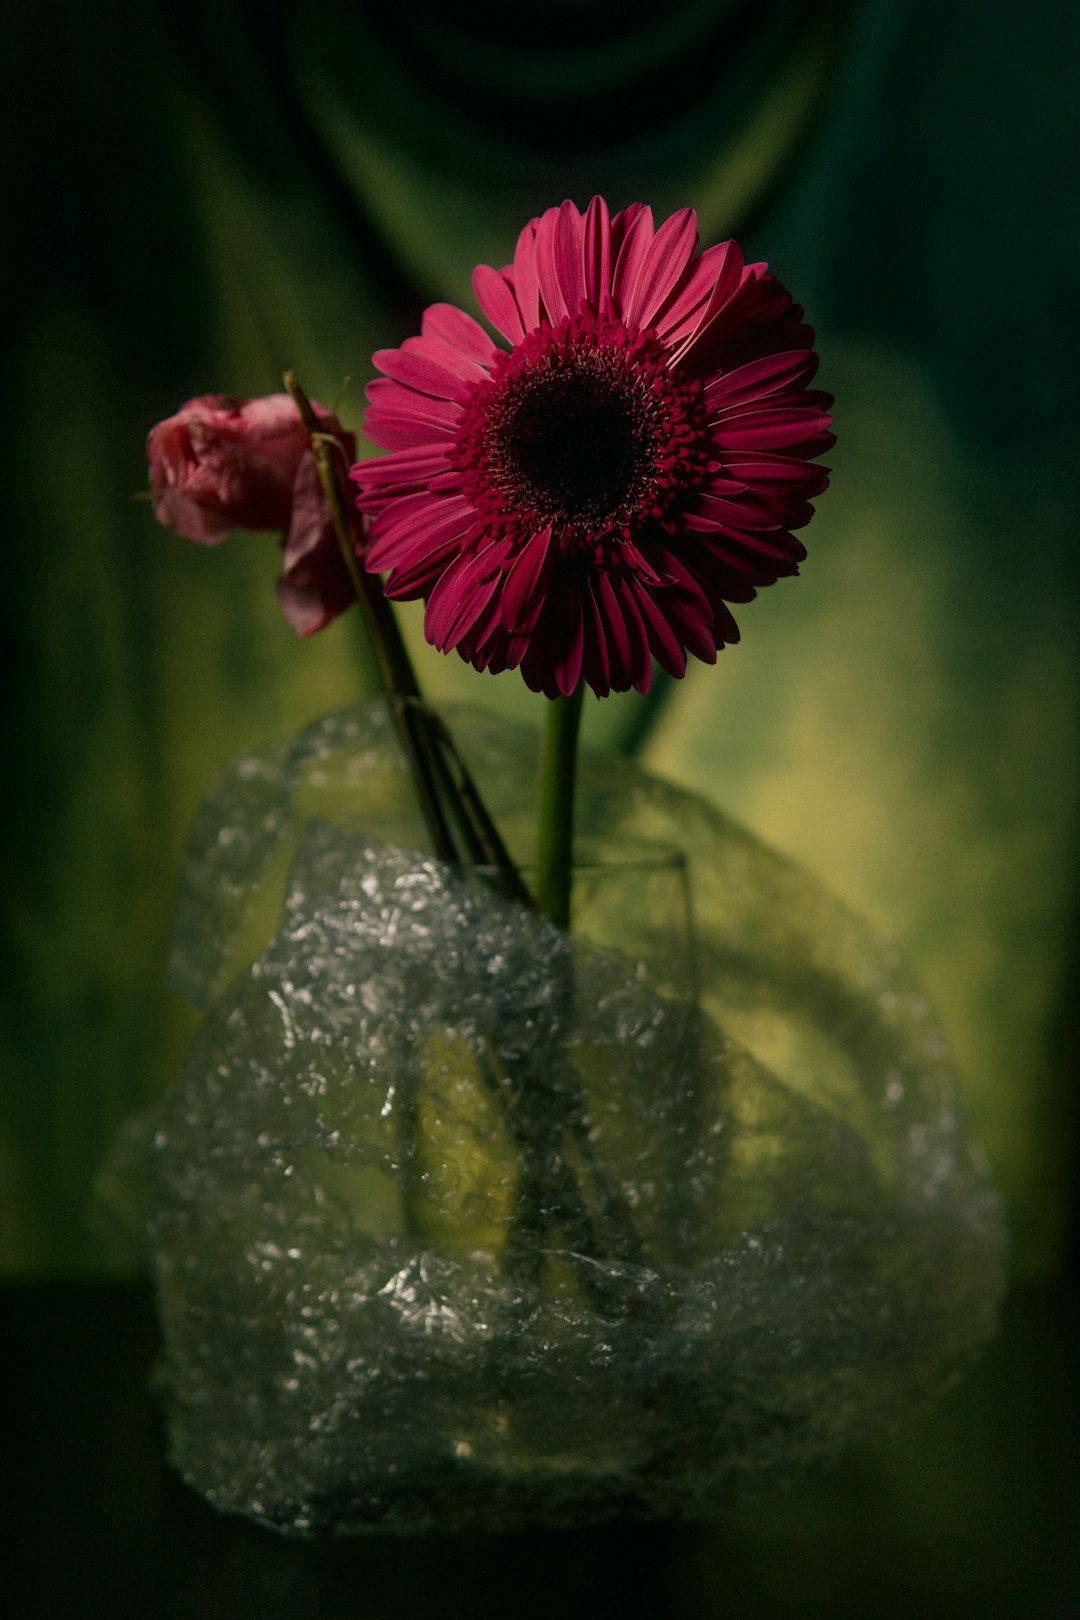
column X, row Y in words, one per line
column 453, row 326
column 306, row 608
column 559, row 265
column 317, row 584
column 724, row 632
column 567, row 672
column 596, row 254
column 419, row 371
column 403, row 540
column 722, row 486
column 632, row 253
column 620, row 225
column 780, row 554
column 386, row 478
column 551, row 663
column 681, row 316
column 402, row 429
column 494, row 650
column 459, row 598
column 418, row 515
column 497, row 301
column 467, row 370
column 695, row 626
column 419, row 575
column 638, row 662
column 524, row 280
column 766, row 511
column 790, row 406
column 674, row 571
column 758, row 379
column 389, row 395
column 660, row 269
column 620, row 650
column 309, row 519
column 484, row 625
column 728, row 281
column 745, row 512
column 175, row 510
column 403, row 467
column 467, row 582
column 782, row 429
column 523, row 592
column 414, row 513
column 759, row 319
column 663, row 640
column 596, row 665
column 723, row 548
column 726, row 585
column 634, row 558
column 764, row 467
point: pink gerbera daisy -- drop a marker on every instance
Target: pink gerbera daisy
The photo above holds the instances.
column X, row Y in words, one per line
column 595, row 495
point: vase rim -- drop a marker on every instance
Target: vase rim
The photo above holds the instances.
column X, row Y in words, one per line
column 603, row 856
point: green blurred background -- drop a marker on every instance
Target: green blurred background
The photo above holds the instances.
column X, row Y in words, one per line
column 207, row 200
column 200, row 197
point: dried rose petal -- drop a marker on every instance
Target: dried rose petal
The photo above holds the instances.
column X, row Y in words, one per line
column 221, row 464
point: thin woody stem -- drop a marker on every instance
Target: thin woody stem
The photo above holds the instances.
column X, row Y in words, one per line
column 440, row 774
column 477, row 827
column 395, row 666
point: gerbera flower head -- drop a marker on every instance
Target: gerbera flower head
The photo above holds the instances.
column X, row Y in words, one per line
column 594, row 495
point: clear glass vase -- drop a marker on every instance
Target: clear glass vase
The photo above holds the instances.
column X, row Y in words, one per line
column 459, row 1221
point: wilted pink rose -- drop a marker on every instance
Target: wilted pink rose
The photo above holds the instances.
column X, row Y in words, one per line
column 222, row 463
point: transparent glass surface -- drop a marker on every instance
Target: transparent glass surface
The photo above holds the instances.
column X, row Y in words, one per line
column 456, row 1220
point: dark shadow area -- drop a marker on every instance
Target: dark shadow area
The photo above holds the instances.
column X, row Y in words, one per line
column 970, row 1510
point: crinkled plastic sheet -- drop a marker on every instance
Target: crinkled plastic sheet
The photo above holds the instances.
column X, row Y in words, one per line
column 784, row 1241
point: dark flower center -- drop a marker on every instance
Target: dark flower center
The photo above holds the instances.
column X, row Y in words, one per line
column 574, row 440
column 582, row 426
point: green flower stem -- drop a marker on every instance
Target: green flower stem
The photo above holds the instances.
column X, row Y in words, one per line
column 555, row 830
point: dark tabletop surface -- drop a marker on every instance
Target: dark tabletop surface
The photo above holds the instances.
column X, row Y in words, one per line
column 972, row 1509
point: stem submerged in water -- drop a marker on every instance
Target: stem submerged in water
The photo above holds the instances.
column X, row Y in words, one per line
column 555, row 829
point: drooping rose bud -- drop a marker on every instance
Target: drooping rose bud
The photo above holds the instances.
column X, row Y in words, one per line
column 222, row 463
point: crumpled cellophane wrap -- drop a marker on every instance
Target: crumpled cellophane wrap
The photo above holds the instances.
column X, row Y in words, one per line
column 366, row 1327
